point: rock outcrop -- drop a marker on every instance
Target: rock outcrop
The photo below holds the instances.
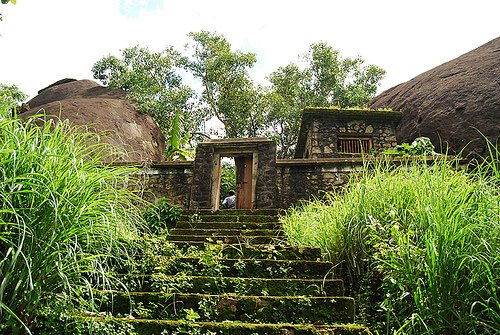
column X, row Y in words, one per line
column 452, row 104
column 103, row 110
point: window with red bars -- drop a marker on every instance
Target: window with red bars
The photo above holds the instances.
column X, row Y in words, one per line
column 354, row 145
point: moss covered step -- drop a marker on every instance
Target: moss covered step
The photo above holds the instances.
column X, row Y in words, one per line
column 218, row 308
column 227, row 225
column 231, row 218
column 271, row 251
column 226, row 238
column 162, row 327
column 232, row 212
column 245, row 286
column 256, row 251
column 226, row 232
column 246, row 268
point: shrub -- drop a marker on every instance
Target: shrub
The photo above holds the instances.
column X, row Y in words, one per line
column 64, row 218
column 425, row 237
column 421, row 146
column 162, row 215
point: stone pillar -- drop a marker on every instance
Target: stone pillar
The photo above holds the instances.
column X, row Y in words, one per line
column 201, row 187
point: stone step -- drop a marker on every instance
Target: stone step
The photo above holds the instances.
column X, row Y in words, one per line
column 246, row 268
column 162, row 327
column 232, row 212
column 256, row 251
column 228, row 239
column 218, row 308
column 233, row 285
column 227, row 225
column 226, row 232
column 230, row 218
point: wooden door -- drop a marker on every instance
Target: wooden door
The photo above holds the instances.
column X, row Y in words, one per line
column 243, row 182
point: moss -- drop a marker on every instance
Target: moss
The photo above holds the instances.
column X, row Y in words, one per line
column 262, row 309
column 248, row 268
column 239, row 217
column 240, row 289
column 243, row 286
column 352, row 112
column 158, row 327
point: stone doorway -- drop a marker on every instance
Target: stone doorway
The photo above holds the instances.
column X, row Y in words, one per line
column 255, row 160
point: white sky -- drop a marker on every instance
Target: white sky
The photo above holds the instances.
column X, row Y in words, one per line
column 43, row 41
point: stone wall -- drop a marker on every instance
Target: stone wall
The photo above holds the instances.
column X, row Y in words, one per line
column 266, row 177
column 302, row 179
column 322, row 127
column 293, row 180
column 201, row 190
column 166, row 179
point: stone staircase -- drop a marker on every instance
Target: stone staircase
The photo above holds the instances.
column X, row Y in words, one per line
column 231, row 272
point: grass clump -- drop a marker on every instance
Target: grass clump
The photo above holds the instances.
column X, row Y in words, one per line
column 65, row 219
column 419, row 243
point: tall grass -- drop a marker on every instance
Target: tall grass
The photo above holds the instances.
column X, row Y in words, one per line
column 419, row 242
column 63, row 217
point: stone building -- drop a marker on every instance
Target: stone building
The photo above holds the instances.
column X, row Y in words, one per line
column 334, row 132
column 331, row 147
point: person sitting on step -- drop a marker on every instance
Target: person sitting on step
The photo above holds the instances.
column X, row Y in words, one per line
column 230, row 200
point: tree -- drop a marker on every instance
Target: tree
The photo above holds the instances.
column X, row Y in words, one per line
column 153, row 81
column 228, row 91
column 326, row 80
column 10, row 97
column 6, row 2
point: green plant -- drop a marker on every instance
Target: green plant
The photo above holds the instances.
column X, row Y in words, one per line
column 65, row 219
column 421, row 146
column 423, row 237
column 59, row 318
column 177, row 141
column 10, row 96
column 163, row 214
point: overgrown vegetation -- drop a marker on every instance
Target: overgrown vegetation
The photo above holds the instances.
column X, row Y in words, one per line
column 65, row 219
column 418, row 244
column 162, row 215
column 421, row 146
column 10, row 97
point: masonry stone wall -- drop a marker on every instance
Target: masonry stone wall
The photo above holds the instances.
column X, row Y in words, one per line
column 201, row 190
column 266, row 187
column 293, row 180
column 303, row 179
column 322, row 127
column 166, row 179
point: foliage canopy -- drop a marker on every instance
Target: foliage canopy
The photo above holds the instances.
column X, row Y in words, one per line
column 323, row 79
column 154, row 80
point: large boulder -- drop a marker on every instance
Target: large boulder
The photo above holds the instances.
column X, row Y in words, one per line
column 103, row 110
column 454, row 104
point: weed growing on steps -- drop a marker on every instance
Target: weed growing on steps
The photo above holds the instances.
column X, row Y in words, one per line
column 162, row 215
column 424, row 238
column 64, row 218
